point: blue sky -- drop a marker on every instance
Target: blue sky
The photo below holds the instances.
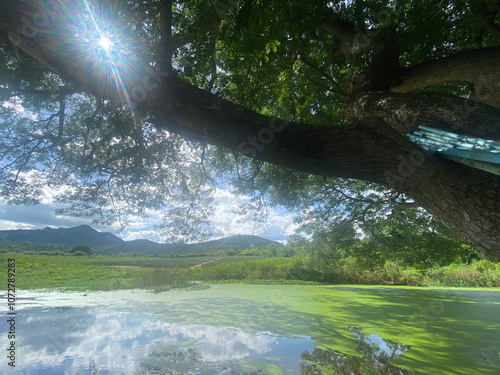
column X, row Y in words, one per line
column 225, row 222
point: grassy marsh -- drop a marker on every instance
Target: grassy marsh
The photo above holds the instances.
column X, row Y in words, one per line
column 99, row 272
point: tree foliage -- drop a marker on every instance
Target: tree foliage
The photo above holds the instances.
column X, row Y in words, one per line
column 187, row 98
column 77, row 250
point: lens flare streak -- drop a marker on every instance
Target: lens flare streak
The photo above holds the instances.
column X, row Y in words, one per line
column 99, row 47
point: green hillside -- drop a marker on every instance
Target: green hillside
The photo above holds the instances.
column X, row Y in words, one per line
column 63, row 239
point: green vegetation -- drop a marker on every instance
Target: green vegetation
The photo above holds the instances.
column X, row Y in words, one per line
column 404, row 255
column 478, row 274
column 86, row 250
column 69, row 272
column 97, row 272
column 449, row 331
column 22, row 247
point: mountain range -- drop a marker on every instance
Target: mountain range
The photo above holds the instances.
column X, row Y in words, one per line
column 86, row 235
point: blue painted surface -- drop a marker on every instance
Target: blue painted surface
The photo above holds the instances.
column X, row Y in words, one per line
column 478, row 153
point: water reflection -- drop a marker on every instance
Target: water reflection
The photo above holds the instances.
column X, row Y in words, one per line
column 69, row 336
column 376, row 351
column 86, row 340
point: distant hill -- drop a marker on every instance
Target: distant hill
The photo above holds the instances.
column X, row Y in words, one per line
column 109, row 243
column 239, row 242
column 81, row 235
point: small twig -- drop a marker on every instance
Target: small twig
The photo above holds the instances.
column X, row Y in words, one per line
column 338, row 89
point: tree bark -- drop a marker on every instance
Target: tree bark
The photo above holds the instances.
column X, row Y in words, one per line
column 165, row 58
column 479, row 67
column 405, row 112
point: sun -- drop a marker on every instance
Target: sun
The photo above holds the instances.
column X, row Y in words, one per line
column 105, row 43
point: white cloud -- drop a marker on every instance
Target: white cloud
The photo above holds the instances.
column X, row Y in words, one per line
column 225, row 222
column 12, row 225
column 152, row 235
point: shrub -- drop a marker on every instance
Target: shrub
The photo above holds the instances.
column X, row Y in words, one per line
column 79, row 254
column 81, row 248
column 58, row 253
column 165, row 278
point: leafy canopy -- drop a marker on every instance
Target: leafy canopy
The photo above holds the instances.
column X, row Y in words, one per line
column 109, row 161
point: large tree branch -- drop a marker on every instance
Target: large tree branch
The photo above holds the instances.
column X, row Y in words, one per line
column 166, row 35
column 368, row 150
column 479, row 67
column 405, row 112
column 355, row 39
column 199, row 115
column 383, row 68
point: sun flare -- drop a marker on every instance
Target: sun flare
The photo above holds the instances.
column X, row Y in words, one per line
column 102, row 38
column 105, row 43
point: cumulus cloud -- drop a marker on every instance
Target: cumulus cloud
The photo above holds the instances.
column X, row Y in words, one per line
column 225, row 222
column 152, row 235
column 35, row 217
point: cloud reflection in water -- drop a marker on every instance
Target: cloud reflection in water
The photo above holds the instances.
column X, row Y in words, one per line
column 87, row 340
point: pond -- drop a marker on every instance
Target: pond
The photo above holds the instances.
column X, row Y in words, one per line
column 257, row 329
